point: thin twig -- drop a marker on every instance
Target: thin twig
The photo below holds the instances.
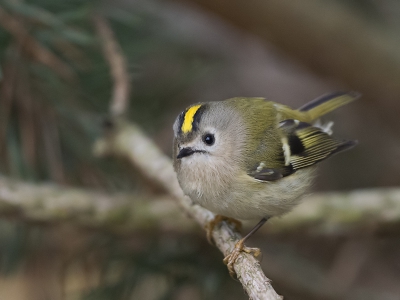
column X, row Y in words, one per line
column 117, row 62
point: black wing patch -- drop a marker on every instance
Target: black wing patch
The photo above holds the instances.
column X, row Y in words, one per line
column 266, row 174
column 263, row 173
column 308, row 145
column 303, row 145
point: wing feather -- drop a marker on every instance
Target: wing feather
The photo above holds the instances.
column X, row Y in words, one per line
column 315, row 144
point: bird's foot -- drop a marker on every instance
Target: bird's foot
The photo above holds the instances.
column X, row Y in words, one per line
column 218, row 219
column 231, row 258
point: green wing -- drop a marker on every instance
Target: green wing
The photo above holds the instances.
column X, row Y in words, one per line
column 303, row 145
column 306, row 144
column 296, row 144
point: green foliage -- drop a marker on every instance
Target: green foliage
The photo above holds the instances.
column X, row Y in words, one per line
column 52, row 112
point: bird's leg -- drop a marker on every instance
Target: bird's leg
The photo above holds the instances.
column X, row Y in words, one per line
column 231, row 258
column 218, row 219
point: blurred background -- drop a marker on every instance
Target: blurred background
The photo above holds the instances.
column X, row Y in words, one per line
column 55, row 91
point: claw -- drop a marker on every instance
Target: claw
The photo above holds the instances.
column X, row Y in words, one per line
column 218, row 219
column 231, row 258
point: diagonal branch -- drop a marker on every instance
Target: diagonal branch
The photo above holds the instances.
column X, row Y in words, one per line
column 152, row 163
column 128, row 141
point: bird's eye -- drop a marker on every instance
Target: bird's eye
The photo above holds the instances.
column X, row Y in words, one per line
column 209, row 139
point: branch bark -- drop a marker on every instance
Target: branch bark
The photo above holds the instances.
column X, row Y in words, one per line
column 371, row 210
column 118, row 213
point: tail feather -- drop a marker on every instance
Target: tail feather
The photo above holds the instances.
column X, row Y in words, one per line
column 326, row 103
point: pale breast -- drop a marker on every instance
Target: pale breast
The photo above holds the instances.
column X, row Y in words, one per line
column 237, row 195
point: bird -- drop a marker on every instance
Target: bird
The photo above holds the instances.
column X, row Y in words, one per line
column 247, row 158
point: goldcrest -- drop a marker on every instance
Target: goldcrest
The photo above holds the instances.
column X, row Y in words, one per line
column 249, row 158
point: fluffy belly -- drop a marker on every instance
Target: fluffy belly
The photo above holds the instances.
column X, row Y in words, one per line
column 248, row 199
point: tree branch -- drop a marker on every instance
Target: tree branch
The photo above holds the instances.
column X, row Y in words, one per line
column 372, row 210
column 119, row 213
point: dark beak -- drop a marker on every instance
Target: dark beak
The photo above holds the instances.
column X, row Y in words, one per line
column 185, row 152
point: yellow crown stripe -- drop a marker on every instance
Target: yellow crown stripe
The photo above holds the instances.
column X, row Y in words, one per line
column 187, row 124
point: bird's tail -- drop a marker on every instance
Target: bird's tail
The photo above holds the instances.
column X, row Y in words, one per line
column 326, row 103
